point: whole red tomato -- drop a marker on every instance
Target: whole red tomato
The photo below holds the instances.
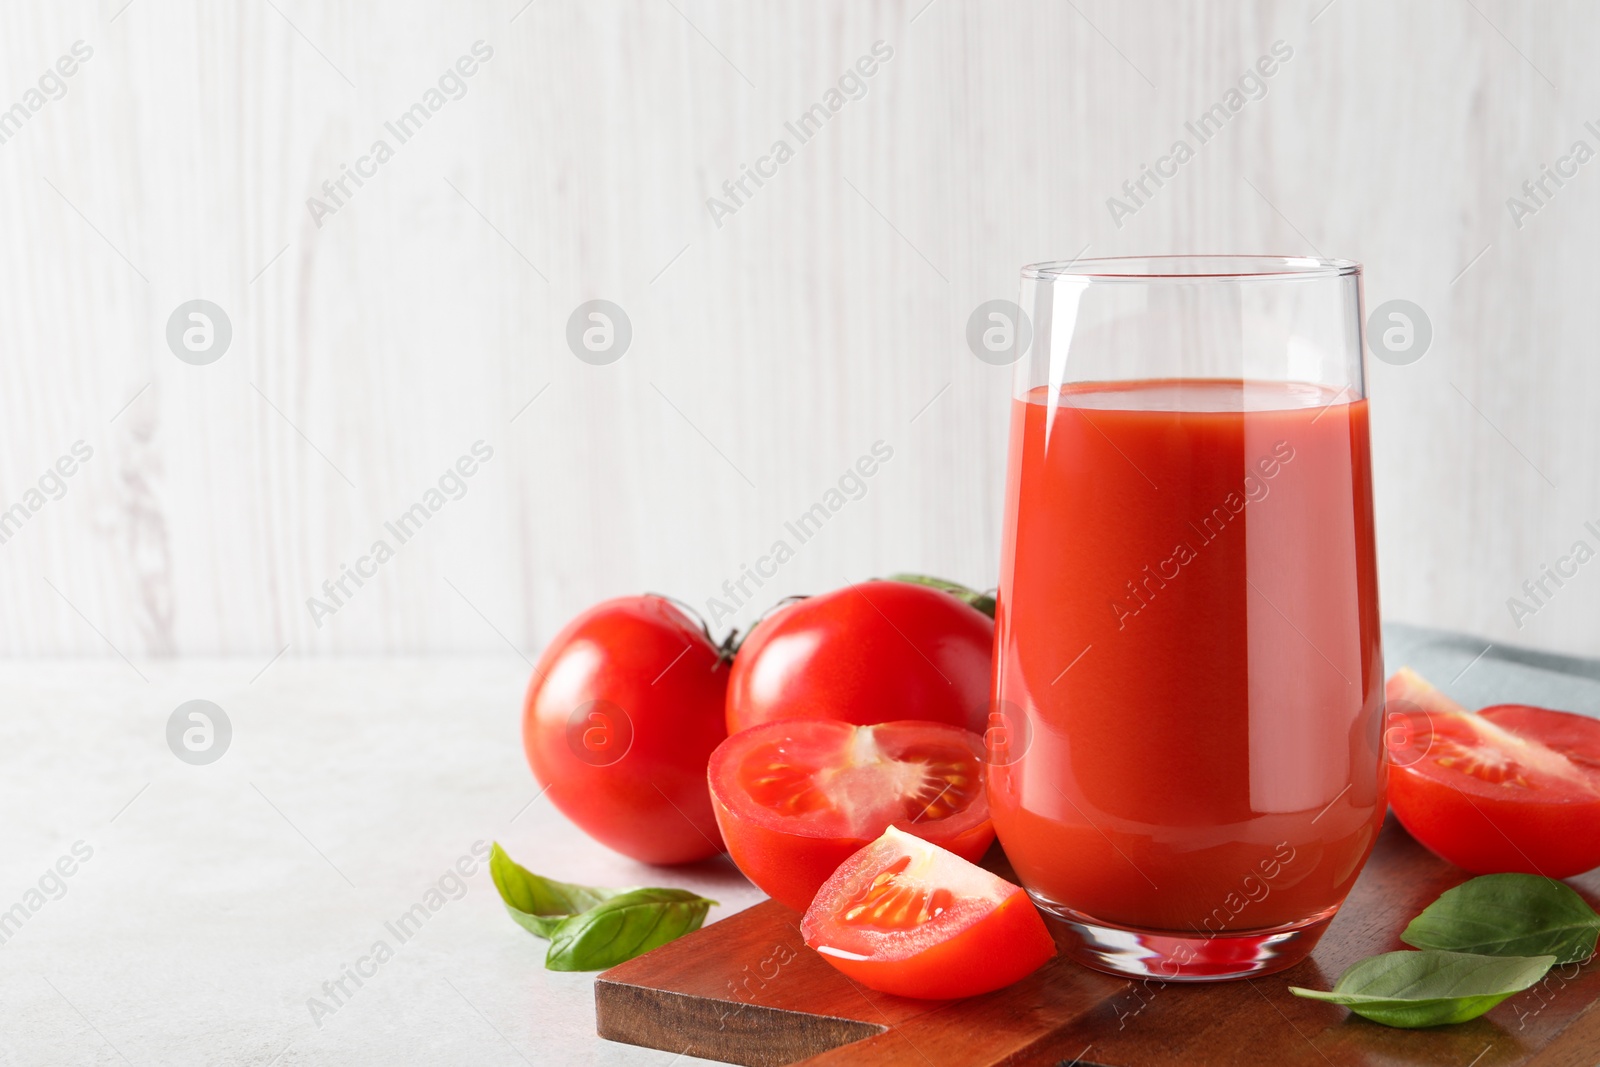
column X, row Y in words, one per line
column 872, row 652
column 622, row 714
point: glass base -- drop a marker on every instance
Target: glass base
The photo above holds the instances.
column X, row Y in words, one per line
column 1169, row 956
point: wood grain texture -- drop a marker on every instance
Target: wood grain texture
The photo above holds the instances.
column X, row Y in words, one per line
column 769, row 351
column 744, row 990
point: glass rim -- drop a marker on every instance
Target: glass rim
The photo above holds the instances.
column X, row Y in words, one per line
column 1182, row 268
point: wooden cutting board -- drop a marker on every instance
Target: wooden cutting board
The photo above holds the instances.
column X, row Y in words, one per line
column 746, row 990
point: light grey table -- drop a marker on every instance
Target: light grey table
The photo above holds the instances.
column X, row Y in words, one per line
column 218, row 899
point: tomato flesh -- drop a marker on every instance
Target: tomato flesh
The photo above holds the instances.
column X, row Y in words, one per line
column 795, row 798
column 1407, row 690
column 1509, row 788
column 906, row 917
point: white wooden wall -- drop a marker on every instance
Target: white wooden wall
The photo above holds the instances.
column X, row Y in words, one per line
column 769, row 352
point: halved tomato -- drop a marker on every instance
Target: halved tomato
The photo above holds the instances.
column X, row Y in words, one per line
column 1510, row 788
column 795, row 798
column 906, row 917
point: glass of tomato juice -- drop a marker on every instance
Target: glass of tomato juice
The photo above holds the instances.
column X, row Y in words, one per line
column 1188, row 663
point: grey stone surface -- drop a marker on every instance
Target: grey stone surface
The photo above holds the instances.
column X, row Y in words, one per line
column 219, row 898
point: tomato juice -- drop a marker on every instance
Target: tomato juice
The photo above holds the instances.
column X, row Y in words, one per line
column 1188, row 620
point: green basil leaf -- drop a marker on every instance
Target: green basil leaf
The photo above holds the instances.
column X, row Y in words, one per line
column 628, row 925
column 540, row 904
column 983, row 602
column 1430, row 988
column 1509, row 915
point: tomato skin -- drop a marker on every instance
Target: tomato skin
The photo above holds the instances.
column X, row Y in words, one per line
column 1551, row 828
column 1003, row 945
column 871, row 652
column 1003, row 949
column 789, row 861
column 789, row 868
column 1555, row 840
column 650, row 660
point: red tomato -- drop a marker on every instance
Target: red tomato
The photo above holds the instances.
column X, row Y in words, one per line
column 1511, row 788
column 796, row 798
column 871, row 652
column 1407, row 690
column 903, row 916
column 623, row 711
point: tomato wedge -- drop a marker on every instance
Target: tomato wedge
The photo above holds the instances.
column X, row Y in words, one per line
column 795, row 798
column 906, row 917
column 1509, row 788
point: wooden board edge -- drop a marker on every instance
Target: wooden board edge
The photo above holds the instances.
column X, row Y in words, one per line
column 731, row 1031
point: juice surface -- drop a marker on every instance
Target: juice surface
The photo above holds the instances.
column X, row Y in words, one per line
column 1189, row 624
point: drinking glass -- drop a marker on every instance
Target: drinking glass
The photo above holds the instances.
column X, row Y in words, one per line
column 1187, row 644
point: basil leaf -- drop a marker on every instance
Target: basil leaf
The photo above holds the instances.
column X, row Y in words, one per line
column 1509, row 915
column 983, row 602
column 540, row 904
column 1431, row 987
column 628, row 925
column 592, row 928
